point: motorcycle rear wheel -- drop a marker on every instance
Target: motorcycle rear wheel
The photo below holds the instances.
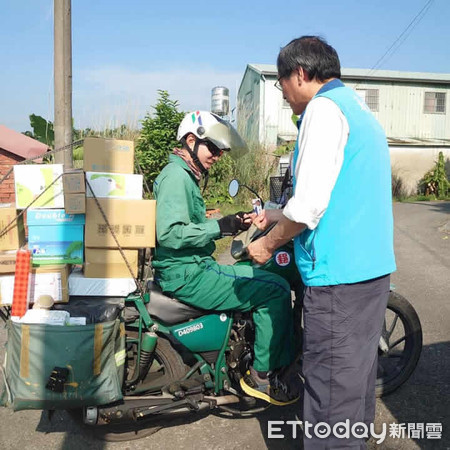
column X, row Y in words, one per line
column 402, row 332
column 167, row 366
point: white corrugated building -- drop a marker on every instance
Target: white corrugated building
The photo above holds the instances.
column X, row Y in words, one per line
column 412, row 107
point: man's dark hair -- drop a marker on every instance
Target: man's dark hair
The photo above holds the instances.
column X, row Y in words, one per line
column 312, row 53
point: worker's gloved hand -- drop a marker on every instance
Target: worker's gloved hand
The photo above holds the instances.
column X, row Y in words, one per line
column 230, row 225
column 246, row 218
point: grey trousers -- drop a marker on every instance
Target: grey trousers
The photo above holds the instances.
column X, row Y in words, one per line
column 342, row 327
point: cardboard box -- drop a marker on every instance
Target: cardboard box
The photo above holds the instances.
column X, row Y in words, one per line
column 8, row 261
column 74, row 182
column 47, row 317
column 32, row 180
column 114, row 185
column 108, row 155
column 79, row 285
column 109, row 263
column 55, row 237
column 48, row 280
column 15, row 237
column 133, row 222
column 75, row 203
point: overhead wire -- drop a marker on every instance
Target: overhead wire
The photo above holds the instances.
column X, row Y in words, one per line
column 403, row 36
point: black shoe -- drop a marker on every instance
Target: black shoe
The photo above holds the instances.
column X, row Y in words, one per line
column 272, row 390
column 292, row 377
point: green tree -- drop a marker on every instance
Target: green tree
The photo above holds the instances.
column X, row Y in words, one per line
column 435, row 181
column 42, row 130
column 158, row 136
column 220, row 176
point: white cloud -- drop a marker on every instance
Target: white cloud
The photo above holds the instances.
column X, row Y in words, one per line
column 108, row 96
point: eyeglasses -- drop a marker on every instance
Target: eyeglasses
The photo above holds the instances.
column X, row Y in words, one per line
column 278, row 84
column 213, row 149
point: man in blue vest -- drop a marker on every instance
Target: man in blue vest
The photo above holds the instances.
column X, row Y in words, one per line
column 340, row 216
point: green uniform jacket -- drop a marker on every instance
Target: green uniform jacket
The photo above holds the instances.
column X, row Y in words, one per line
column 184, row 234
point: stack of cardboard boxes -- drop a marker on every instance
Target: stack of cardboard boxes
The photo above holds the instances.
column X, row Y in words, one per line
column 50, row 245
column 109, row 166
column 66, row 225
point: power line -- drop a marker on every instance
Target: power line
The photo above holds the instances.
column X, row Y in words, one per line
column 403, row 36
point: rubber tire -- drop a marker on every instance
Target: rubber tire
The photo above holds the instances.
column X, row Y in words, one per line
column 413, row 329
column 172, row 361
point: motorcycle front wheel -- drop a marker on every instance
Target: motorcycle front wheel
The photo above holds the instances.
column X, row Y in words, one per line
column 400, row 345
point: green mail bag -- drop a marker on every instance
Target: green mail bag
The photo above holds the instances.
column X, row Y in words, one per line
column 92, row 357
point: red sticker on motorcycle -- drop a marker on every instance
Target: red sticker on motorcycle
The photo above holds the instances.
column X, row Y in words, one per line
column 282, row 259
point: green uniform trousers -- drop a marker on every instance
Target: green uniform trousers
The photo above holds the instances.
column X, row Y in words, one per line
column 211, row 286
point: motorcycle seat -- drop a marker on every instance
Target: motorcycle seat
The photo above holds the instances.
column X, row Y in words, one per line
column 168, row 309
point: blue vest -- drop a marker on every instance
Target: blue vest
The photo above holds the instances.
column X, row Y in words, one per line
column 353, row 241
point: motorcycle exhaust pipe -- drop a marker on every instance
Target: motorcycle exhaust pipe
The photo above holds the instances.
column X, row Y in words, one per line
column 225, row 400
column 94, row 415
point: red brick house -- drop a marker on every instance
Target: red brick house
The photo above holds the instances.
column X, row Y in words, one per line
column 15, row 147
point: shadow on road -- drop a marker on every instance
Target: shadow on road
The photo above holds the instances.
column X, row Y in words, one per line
column 442, row 206
column 423, row 399
column 79, row 436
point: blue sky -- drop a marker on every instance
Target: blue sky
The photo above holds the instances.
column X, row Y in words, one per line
column 124, row 51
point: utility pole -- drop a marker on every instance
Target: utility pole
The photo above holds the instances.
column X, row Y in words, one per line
column 63, row 80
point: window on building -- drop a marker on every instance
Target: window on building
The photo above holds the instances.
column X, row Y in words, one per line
column 434, row 103
column 370, row 97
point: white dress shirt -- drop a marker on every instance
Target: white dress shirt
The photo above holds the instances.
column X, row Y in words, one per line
column 321, row 142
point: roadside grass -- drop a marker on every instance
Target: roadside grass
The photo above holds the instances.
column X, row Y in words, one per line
column 422, row 198
column 223, row 245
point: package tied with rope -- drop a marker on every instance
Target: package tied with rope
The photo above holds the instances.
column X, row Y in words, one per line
column 12, row 231
column 39, row 185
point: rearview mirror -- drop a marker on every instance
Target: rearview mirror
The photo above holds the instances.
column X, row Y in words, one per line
column 233, row 188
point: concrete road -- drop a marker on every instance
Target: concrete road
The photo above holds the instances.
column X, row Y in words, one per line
column 422, row 243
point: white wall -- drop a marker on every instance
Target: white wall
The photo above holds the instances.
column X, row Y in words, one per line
column 411, row 163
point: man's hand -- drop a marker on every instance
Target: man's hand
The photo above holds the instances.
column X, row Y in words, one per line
column 259, row 252
column 262, row 249
column 267, row 217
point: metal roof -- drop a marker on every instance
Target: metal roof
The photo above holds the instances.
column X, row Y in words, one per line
column 418, row 142
column 368, row 74
column 19, row 144
column 264, row 69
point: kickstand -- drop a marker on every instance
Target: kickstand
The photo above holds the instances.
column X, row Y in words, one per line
column 50, row 414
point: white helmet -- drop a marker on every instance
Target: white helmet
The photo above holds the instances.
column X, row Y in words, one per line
column 210, row 127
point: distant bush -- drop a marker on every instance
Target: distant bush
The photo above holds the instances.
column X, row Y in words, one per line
column 220, row 176
column 398, row 188
column 284, row 149
column 435, row 182
column 255, row 169
column 158, row 137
